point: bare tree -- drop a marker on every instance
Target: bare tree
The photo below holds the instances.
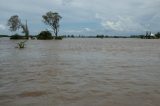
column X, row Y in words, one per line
column 52, row 19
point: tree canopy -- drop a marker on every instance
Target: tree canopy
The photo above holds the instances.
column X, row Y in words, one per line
column 52, row 19
column 14, row 24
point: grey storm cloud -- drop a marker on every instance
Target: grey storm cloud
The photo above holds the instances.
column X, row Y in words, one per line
column 124, row 16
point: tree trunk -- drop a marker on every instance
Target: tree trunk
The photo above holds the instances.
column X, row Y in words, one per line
column 56, row 33
column 27, row 31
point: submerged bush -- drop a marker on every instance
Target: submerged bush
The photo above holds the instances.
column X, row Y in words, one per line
column 17, row 36
column 157, row 35
column 58, row 38
column 21, row 44
column 44, row 35
column 100, row 36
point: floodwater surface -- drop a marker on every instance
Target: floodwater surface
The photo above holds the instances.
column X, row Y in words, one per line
column 80, row 72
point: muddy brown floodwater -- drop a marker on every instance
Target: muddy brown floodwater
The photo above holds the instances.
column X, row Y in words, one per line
column 80, row 72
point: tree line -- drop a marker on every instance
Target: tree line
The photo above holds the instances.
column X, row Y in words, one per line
column 52, row 19
column 148, row 35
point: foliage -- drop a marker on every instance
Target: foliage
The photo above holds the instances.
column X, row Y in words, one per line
column 58, row 38
column 157, row 35
column 21, row 44
column 52, row 19
column 16, row 37
column 14, row 24
column 44, row 35
column 25, row 29
column 4, row 36
column 100, row 36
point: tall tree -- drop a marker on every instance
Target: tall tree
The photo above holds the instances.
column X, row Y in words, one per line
column 15, row 23
column 25, row 29
column 52, row 19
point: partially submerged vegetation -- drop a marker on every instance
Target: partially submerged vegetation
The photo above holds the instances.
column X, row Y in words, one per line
column 15, row 24
column 44, row 35
column 58, row 37
column 52, row 19
column 148, row 35
column 3, row 36
column 21, row 44
column 18, row 37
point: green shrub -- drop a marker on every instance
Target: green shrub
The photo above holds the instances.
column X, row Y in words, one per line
column 21, row 44
column 44, row 35
column 16, row 37
column 157, row 35
column 58, row 38
column 100, row 36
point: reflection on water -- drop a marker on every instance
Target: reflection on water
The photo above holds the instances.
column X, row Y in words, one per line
column 80, row 72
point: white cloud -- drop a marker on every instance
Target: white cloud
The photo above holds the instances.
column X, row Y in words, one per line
column 73, row 31
column 2, row 27
column 87, row 29
column 122, row 24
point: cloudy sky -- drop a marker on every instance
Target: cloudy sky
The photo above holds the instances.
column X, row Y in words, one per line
column 88, row 17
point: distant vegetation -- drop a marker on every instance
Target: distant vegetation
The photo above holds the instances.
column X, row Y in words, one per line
column 4, row 36
column 97, row 36
column 18, row 37
column 58, row 38
column 52, row 19
column 157, row 35
column 44, row 35
column 148, row 35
